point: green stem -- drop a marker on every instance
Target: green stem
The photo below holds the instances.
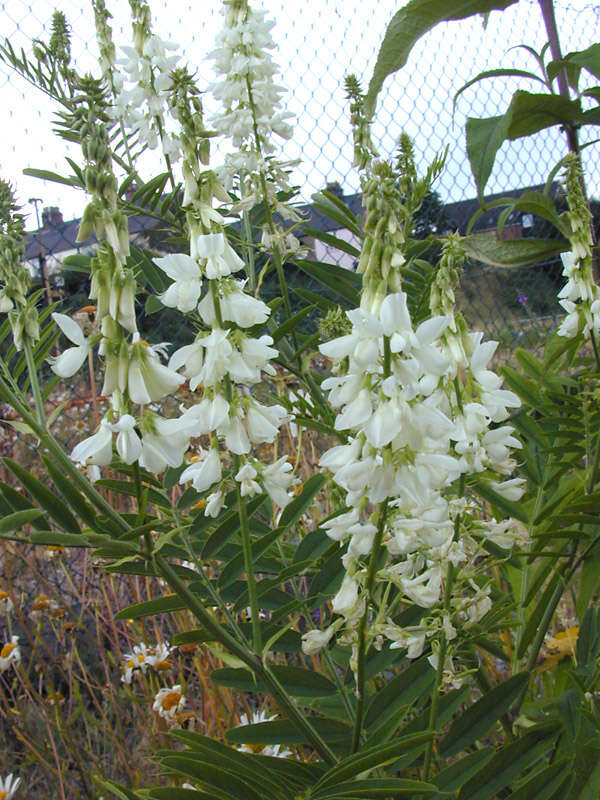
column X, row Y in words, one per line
column 439, row 675
column 362, row 645
column 284, row 701
column 250, row 264
column 35, row 385
column 249, row 567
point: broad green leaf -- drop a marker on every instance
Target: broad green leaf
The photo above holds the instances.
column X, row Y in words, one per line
column 159, row 605
column 589, row 59
column 320, row 302
column 409, row 24
column 480, row 717
column 588, row 640
column 46, row 498
column 509, row 763
column 586, row 785
column 245, row 766
column 488, row 249
column 296, row 681
column 545, row 783
column 118, row 791
column 485, row 137
column 366, row 760
column 497, row 73
column 527, row 113
column 72, row 495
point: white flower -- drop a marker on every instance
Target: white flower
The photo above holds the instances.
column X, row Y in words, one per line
column 68, row 362
column 129, row 445
column 204, row 473
column 235, row 305
column 147, row 379
column 245, row 477
column 313, row 641
column 338, row 527
column 221, row 259
column 214, row 504
column 10, row 654
column 206, row 416
column 236, row 438
column 277, row 479
column 263, row 422
column 6, row 604
column 96, row 449
column 164, row 443
column 8, row 787
column 346, row 599
column 183, row 294
column 169, row 702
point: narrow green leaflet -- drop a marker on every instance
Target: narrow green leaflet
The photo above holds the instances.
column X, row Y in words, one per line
column 296, row 681
column 413, row 682
column 15, row 521
column 159, row 605
column 58, row 510
column 366, row 760
column 282, row 731
column 480, row 717
column 509, row 763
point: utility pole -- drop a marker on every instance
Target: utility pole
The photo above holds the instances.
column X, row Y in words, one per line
column 42, row 255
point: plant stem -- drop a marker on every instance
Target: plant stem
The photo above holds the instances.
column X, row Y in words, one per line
column 35, row 385
column 55, row 450
column 362, row 645
column 254, row 663
column 249, row 567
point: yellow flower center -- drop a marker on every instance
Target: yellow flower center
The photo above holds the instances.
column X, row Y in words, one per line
column 170, row 700
column 162, row 665
column 41, row 603
column 3, row 795
column 5, row 652
column 3, row 595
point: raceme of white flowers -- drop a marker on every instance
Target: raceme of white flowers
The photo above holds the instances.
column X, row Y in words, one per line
column 144, row 84
column 580, row 296
column 420, row 409
column 408, row 442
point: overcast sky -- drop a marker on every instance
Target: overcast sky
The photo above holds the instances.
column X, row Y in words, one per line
column 318, row 44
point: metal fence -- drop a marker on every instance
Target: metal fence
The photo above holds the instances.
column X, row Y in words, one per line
column 317, row 47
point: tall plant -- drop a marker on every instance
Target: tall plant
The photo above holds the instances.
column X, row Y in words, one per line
column 387, row 605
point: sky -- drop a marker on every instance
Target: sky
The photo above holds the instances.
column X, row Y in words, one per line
column 318, row 44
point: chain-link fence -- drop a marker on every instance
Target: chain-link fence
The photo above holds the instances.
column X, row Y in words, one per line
column 317, row 47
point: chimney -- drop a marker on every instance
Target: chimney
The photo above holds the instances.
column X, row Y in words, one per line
column 51, row 217
column 335, row 188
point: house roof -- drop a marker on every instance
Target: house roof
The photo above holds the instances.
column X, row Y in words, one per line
column 62, row 237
